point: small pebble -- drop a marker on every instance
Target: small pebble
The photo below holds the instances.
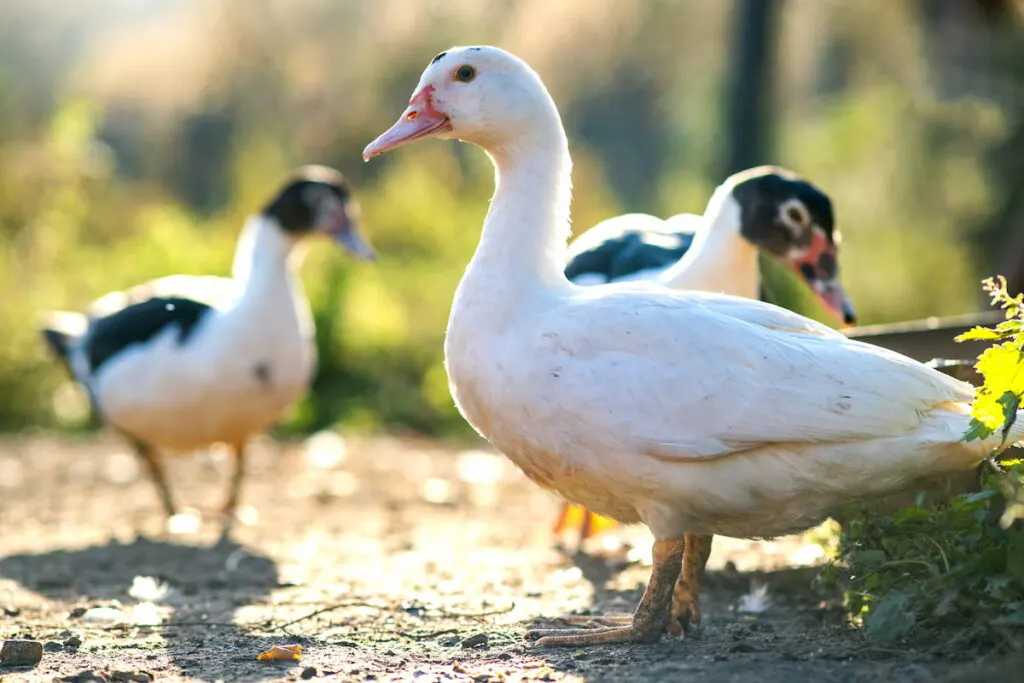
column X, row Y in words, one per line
column 449, row 641
column 53, row 646
column 308, row 672
column 478, row 640
column 73, row 642
column 77, row 612
column 21, row 652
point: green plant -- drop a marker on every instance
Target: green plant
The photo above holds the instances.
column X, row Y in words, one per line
column 951, row 571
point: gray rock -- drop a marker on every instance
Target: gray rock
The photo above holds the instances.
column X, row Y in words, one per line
column 21, row 652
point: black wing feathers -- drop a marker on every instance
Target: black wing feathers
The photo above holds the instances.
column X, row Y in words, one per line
column 629, row 253
column 140, row 322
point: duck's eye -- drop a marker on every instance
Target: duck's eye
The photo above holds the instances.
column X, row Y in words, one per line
column 465, row 73
column 793, row 215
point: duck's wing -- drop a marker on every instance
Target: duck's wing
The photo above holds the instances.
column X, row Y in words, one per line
column 216, row 292
column 693, row 375
column 629, row 245
column 124, row 319
column 138, row 323
column 120, row 319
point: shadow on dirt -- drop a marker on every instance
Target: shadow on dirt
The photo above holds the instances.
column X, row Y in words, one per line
column 208, row 586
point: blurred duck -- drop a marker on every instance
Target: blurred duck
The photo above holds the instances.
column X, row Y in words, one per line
column 183, row 362
column 691, row 412
column 766, row 208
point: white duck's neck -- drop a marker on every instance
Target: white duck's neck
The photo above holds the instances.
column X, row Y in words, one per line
column 720, row 258
column 523, row 241
column 263, row 263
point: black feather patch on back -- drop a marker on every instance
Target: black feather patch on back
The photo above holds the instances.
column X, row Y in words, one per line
column 139, row 323
column 629, row 253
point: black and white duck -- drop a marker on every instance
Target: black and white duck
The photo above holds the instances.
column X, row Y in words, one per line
column 183, row 362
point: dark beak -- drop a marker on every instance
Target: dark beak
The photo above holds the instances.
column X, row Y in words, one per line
column 833, row 297
column 343, row 228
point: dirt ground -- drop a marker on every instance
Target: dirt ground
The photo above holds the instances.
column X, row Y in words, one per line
column 386, row 560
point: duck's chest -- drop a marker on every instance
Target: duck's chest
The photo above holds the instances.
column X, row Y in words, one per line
column 537, row 440
column 273, row 361
column 501, row 387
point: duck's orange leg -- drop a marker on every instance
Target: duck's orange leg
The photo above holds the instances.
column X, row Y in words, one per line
column 652, row 615
column 237, row 475
column 686, row 595
column 588, row 523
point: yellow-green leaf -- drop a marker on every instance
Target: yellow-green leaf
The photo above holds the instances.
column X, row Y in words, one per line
column 978, row 333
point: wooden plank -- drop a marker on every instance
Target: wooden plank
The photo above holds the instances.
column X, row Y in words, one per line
column 931, row 338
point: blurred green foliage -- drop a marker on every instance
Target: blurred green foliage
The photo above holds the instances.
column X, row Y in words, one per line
column 135, row 135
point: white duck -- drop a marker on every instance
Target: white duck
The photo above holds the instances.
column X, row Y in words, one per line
column 766, row 208
column 182, row 362
column 689, row 412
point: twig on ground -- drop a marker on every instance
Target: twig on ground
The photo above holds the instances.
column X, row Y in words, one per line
column 427, row 636
column 396, row 608
column 477, row 615
column 340, row 605
column 169, row 624
column 315, row 613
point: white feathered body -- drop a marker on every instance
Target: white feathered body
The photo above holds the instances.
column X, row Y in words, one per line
column 699, row 412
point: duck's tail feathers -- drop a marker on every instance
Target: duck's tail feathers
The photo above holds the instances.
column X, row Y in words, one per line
column 61, row 330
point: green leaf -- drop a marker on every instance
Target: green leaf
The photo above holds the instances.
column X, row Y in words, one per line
column 977, row 430
column 977, row 496
column 1014, row 618
column 867, row 560
column 890, row 619
column 1001, row 365
column 911, row 514
column 1010, row 402
column 994, row 585
column 1010, row 327
column 978, row 334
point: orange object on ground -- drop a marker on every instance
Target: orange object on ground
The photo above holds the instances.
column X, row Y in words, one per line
column 281, row 653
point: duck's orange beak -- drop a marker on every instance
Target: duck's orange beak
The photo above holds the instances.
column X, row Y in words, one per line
column 418, row 121
column 818, row 266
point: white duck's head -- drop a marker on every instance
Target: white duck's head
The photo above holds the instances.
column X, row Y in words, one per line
column 791, row 219
column 318, row 200
column 481, row 94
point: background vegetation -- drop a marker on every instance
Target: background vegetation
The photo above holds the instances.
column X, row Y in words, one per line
column 135, row 135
